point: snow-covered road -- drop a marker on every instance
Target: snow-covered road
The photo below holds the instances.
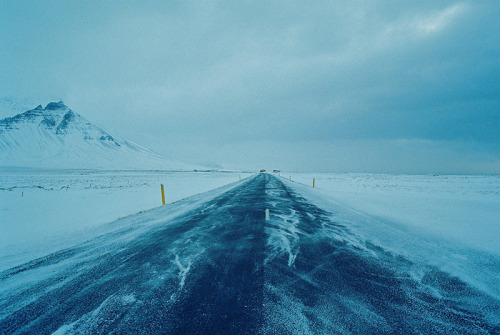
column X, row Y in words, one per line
column 221, row 268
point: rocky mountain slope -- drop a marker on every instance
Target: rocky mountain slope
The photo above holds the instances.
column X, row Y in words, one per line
column 57, row 137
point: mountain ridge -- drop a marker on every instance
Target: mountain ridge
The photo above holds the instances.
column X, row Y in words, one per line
column 58, row 137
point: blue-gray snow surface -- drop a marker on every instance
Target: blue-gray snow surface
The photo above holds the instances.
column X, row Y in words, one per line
column 213, row 264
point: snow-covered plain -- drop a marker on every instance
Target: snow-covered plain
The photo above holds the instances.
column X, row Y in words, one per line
column 464, row 209
column 41, row 210
column 451, row 222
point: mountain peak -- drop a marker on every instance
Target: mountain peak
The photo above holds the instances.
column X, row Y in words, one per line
column 57, row 137
column 56, row 105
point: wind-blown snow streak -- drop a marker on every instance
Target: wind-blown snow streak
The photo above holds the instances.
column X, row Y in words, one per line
column 342, row 282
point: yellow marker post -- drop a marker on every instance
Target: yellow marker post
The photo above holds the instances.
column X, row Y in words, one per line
column 162, row 195
column 313, row 182
column 290, row 177
column 240, row 176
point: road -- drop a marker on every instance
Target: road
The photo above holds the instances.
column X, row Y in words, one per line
column 222, row 268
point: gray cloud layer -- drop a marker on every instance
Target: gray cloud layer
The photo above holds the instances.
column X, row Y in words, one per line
column 368, row 82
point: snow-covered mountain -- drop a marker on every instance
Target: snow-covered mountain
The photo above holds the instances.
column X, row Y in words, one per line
column 57, row 137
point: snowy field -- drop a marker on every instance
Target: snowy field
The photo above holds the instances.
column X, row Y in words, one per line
column 458, row 208
column 451, row 222
column 323, row 268
column 41, row 210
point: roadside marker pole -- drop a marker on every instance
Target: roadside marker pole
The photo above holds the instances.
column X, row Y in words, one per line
column 162, row 195
column 290, row 177
column 240, row 177
column 313, row 182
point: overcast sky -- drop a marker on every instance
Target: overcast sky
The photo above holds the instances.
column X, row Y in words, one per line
column 356, row 86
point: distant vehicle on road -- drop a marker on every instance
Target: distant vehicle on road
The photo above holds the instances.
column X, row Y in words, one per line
column 262, row 171
column 276, row 171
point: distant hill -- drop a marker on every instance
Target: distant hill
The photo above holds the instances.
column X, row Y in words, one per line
column 57, row 137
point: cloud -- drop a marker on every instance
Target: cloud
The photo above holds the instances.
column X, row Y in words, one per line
column 438, row 21
column 223, row 72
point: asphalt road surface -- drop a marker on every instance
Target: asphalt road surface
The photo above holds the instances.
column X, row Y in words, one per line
column 222, row 268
